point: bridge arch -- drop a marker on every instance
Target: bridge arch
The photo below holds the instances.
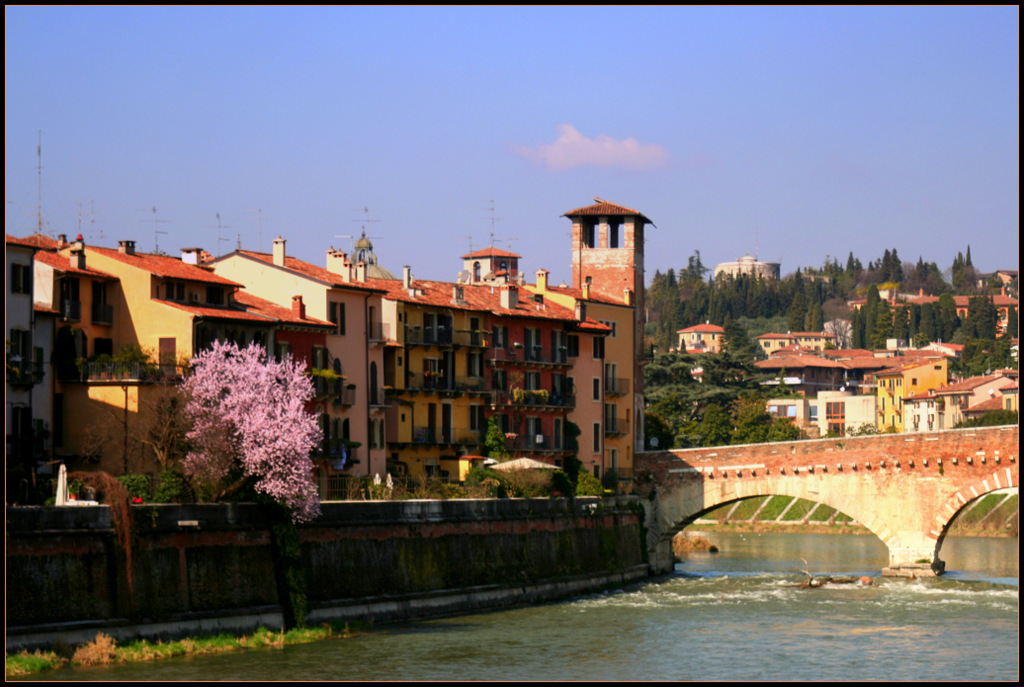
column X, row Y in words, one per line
column 905, row 489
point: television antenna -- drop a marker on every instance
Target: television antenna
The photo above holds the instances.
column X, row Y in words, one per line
column 156, row 231
column 493, row 220
column 259, row 236
column 219, row 227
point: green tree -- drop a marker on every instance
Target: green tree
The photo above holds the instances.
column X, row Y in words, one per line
column 494, row 440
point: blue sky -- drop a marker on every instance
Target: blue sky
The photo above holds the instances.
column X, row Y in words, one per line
column 797, row 133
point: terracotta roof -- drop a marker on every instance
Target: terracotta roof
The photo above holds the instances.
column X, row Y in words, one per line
column 37, row 240
column 278, row 312
column 320, row 274
column 900, row 369
column 578, row 295
column 219, row 313
column 490, row 252
column 964, row 301
column 971, row 383
column 480, row 298
column 847, row 353
column 43, row 310
column 604, row 209
column 63, row 263
column 712, row 328
column 994, row 403
column 797, row 362
column 164, row 266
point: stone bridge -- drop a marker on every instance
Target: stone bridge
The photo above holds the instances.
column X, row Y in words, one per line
column 904, row 488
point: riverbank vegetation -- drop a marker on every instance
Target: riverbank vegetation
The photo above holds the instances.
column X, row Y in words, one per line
column 104, row 650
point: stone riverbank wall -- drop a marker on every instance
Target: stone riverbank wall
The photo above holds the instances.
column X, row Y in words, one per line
column 210, row 568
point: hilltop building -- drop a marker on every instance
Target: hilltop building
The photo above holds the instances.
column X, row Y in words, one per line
column 750, row 266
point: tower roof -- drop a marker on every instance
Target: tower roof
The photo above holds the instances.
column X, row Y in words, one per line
column 605, row 209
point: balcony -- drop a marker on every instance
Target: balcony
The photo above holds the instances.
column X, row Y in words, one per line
column 528, row 357
column 616, row 386
column 378, row 331
column 102, row 313
column 344, row 394
column 537, row 399
column 23, row 372
column 536, row 443
column 131, row 371
column 615, row 426
column 71, row 311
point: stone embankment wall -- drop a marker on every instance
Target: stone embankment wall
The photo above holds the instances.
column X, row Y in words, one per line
column 210, row 568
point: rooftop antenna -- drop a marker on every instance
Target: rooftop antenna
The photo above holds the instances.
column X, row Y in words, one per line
column 259, row 238
column 493, row 220
column 364, row 222
column 156, row 231
column 219, row 227
column 39, row 184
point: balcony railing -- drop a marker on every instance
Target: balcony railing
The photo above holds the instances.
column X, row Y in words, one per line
column 102, row 313
column 532, row 398
column 344, row 394
column 534, row 442
column 71, row 311
column 616, row 386
column 24, row 372
column 378, row 331
column 130, row 371
column 525, row 355
column 615, row 425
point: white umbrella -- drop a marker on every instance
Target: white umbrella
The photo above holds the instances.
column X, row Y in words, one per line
column 523, row 464
column 62, row 486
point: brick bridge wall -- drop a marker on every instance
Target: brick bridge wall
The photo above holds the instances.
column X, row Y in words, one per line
column 209, row 568
column 905, row 488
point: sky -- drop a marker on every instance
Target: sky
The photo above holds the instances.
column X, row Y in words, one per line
column 794, row 134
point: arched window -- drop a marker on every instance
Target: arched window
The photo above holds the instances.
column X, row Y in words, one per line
column 476, row 271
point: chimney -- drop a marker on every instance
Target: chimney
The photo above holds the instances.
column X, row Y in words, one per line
column 279, row 251
column 190, row 256
column 78, row 253
column 126, row 247
column 586, row 291
column 458, row 295
column 542, row 280
column 62, row 241
column 298, row 307
column 581, row 311
column 361, row 272
column 509, row 295
column 627, row 297
column 337, row 262
column 406, row 277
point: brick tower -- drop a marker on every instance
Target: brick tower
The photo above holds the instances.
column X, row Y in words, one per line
column 608, row 262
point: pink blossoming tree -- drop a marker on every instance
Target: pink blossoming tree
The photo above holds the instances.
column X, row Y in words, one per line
column 248, row 414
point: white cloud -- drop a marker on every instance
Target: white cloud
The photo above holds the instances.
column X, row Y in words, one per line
column 573, row 149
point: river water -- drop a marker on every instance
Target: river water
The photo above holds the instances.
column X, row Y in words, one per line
column 734, row 615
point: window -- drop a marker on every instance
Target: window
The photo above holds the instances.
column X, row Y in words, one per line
column 611, row 325
column 476, row 365
column 589, row 236
column 613, row 233
column 215, row 295
column 499, row 380
column 597, row 388
column 336, row 315
column 598, row 347
column 477, row 420
column 835, row 416
column 597, row 437
column 282, row 350
column 573, row 345
column 533, row 381
column 500, row 335
column 21, row 278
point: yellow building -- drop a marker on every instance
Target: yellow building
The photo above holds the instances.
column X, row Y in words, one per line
column 898, row 384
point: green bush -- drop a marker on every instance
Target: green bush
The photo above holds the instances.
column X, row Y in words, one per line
column 137, row 486
column 170, row 488
column 588, row 485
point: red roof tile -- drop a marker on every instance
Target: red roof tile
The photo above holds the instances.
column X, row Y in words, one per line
column 605, row 209
column 711, row 328
column 304, row 268
column 489, row 253
column 63, row 263
column 278, row 312
column 164, row 266
column 37, row 240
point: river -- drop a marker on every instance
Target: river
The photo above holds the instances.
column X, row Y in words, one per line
column 734, row 615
